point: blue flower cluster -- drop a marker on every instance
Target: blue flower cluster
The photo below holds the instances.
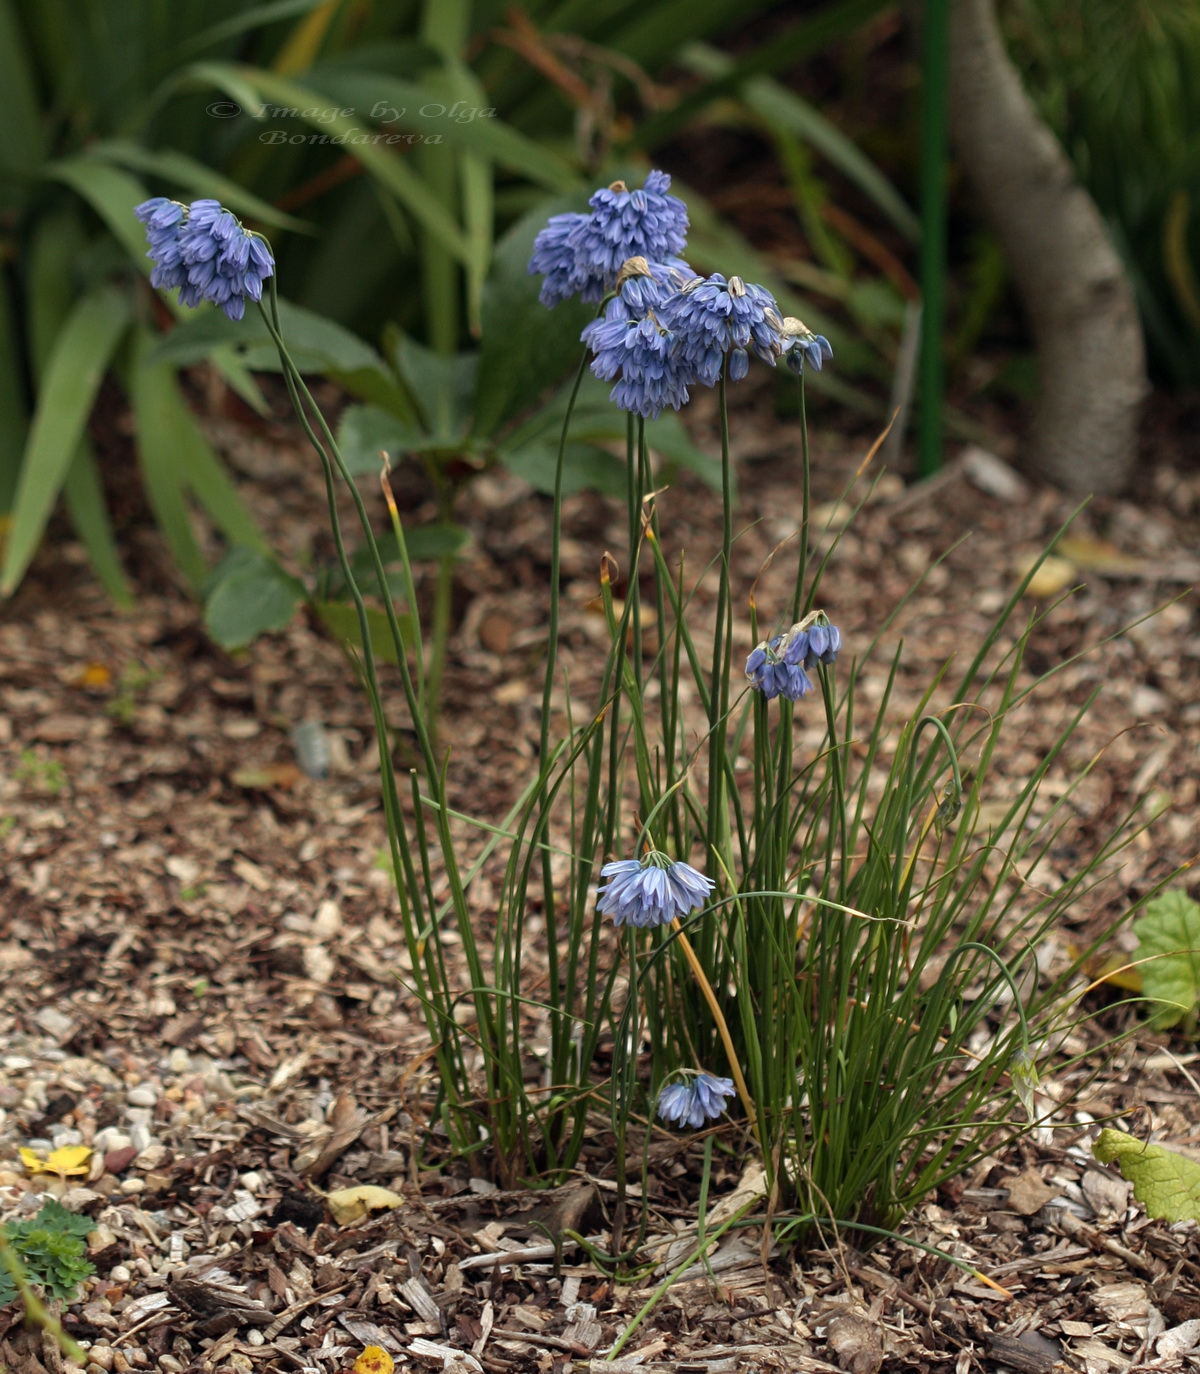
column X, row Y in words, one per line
column 693, row 1103
column 652, row 891
column 580, row 255
column 665, row 328
column 203, row 250
column 776, row 668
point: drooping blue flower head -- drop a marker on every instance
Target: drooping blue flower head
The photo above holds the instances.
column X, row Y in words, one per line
column 801, row 345
column 651, row 891
column 702, row 1098
column 581, row 254
column 555, row 259
column 776, row 667
column 774, row 675
column 630, row 344
column 163, row 219
column 711, row 317
column 203, row 249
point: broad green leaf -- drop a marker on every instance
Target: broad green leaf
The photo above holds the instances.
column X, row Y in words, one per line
column 74, row 371
column 365, row 431
column 196, row 178
column 527, row 349
column 84, row 495
column 443, row 389
column 1166, row 1183
column 340, row 618
column 585, row 467
column 22, row 146
column 1169, row 942
column 426, row 542
column 667, row 437
column 248, row 595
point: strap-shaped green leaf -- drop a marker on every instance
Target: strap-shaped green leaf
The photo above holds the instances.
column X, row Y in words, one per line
column 157, row 422
column 383, row 164
column 84, row 496
column 76, row 367
column 194, row 177
column 23, row 144
column 12, row 403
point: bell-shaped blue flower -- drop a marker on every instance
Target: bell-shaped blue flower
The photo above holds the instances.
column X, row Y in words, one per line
column 700, row 1098
column 652, row 891
column 801, row 345
column 203, row 249
column 711, row 317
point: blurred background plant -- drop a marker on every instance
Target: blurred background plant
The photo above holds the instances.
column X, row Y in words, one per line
column 1119, row 82
column 399, row 156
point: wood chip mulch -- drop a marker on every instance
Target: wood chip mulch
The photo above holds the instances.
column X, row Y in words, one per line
column 199, row 953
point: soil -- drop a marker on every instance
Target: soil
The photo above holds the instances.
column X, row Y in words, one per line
column 200, row 947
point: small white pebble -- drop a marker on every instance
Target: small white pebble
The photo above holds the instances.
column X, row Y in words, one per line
column 133, row 1185
column 110, row 1139
column 144, row 1095
column 255, row 1337
column 119, row 1273
column 140, row 1136
column 14, row 1063
column 251, row 1181
column 170, row 1364
column 179, row 1061
column 133, row 1114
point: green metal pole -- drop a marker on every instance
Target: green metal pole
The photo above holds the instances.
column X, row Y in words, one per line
column 935, row 127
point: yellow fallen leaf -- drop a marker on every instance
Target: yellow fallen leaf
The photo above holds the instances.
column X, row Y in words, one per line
column 348, row 1205
column 374, row 1360
column 1054, row 576
column 67, row 1162
column 1100, row 556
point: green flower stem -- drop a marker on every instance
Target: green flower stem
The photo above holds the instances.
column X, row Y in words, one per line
column 722, row 1029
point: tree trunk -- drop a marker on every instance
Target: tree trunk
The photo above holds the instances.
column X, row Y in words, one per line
column 1091, row 358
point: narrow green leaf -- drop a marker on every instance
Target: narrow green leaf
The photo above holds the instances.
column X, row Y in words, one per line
column 84, row 496
column 782, row 109
column 194, row 177
column 113, row 194
column 248, row 595
column 156, row 424
column 13, row 418
column 24, row 142
column 75, row 369
column 199, row 467
column 348, row 135
column 401, row 104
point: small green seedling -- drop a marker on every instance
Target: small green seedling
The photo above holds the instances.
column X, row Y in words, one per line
column 40, row 774
column 50, row 1249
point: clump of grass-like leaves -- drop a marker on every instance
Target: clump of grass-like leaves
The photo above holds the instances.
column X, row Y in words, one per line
column 830, row 941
